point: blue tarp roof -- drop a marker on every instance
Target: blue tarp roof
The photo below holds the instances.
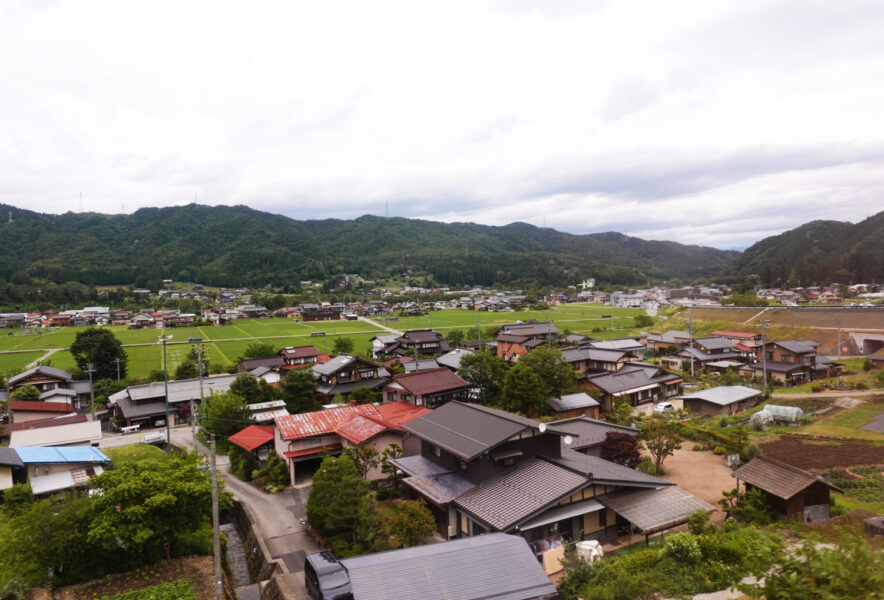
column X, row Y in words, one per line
column 62, row 454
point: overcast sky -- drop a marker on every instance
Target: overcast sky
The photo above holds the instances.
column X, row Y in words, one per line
column 715, row 123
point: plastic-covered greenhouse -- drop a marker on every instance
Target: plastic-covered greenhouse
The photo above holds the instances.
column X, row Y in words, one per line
column 785, row 413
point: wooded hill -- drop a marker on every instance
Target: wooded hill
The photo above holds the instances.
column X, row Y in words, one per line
column 233, row 246
column 819, row 252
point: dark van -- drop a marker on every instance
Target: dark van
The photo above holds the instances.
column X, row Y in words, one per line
column 326, row 578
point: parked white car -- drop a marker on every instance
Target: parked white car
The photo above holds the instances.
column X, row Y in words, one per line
column 663, row 407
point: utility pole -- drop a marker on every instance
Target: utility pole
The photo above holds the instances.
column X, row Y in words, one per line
column 216, row 538
column 765, row 325
column 840, row 372
column 117, row 360
column 200, row 364
column 91, row 369
column 478, row 329
column 164, row 338
column 691, row 344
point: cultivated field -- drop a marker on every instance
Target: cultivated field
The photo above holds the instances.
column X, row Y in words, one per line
column 846, row 318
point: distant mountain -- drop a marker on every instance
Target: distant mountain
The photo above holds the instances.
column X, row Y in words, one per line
column 239, row 246
column 819, row 252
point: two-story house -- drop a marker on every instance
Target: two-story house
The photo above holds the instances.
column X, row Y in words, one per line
column 427, row 387
column 514, row 341
column 586, row 359
column 419, row 342
column 660, row 343
column 482, row 470
column 299, row 356
column 792, row 362
column 717, row 352
column 345, row 373
column 638, row 384
column 55, row 385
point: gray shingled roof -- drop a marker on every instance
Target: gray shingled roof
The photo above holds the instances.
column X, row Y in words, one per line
column 420, row 365
column 796, row 346
column 714, row 343
column 138, row 401
column 654, row 510
column 588, row 432
column 703, row 356
column 51, row 371
column 630, row 377
column 520, row 493
column 572, row 402
column 494, row 566
column 468, row 430
column 570, row 355
column 10, row 458
column 452, row 359
column 724, row 395
column 778, row 478
column 604, row 471
column 626, row 344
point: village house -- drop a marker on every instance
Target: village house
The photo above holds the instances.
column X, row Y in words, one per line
column 10, row 463
column 296, row 357
column 514, row 341
column 708, row 350
column 55, row 385
column 346, row 372
column 586, row 359
column 588, row 434
column 53, row 469
column 427, row 387
column 791, row 492
column 417, row 342
column 792, row 362
column 451, row 360
column 722, row 400
column 483, row 470
column 664, row 342
column 574, row 405
column 308, row 437
column 638, row 384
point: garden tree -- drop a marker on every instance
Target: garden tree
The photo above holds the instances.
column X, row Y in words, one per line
column 750, row 507
column 341, row 508
column 343, row 345
column 490, row 333
column 644, row 321
column 152, row 503
column 242, row 462
column 224, row 415
column 868, row 365
column 455, row 336
column 622, row 414
column 27, row 392
column 393, row 473
column 411, row 523
column 730, row 378
column 252, row 389
column 298, row 390
column 660, row 439
column 17, row 498
column 156, row 375
column 622, row 448
column 51, row 537
column 361, row 395
column 100, row 348
column 485, row 371
column 364, row 457
column 257, row 350
column 558, row 376
column 524, row 391
column 276, row 473
column 186, row 370
column 105, row 388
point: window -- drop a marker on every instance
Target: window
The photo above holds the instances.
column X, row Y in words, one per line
column 366, row 374
column 436, row 450
column 312, row 442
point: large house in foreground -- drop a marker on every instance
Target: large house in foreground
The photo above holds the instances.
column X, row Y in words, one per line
column 484, row 470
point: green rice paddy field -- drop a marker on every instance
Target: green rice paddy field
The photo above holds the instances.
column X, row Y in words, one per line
column 225, row 343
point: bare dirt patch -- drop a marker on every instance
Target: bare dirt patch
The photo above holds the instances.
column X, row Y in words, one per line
column 197, row 570
column 703, row 474
column 814, row 456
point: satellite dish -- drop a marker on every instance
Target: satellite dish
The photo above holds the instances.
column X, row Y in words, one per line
column 542, row 427
column 568, row 440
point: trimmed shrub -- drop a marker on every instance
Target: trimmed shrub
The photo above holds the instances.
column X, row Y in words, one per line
column 719, row 450
column 698, row 447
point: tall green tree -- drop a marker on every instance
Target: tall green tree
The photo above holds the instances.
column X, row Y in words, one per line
column 364, row 457
column 661, row 440
column 152, row 503
column 485, row 371
column 252, row 389
column 412, row 522
column 341, row 507
column 186, row 370
column 224, row 415
column 101, row 349
column 298, row 390
column 557, row 376
column 524, row 391
column 258, row 350
column 343, row 345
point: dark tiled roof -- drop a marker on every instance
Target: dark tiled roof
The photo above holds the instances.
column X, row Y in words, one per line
column 605, row 471
column 430, row 381
column 422, row 335
column 779, row 367
column 299, row 351
column 453, row 358
column 266, row 361
column 714, row 343
column 572, row 402
column 796, row 346
column 10, row 458
column 520, row 493
column 570, row 355
column 341, row 361
column 589, row 432
column 494, row 566
column 42, row 370
column 468, row 430
column 653, row 510
column 631, row 377
column 420, row 365
column 778, row 478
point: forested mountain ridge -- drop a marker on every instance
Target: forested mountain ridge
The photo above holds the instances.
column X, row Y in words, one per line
column 237, row 245
column 818, row 252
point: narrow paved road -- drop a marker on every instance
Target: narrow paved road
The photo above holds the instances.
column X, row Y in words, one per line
column 376, row 324
column 42, row 358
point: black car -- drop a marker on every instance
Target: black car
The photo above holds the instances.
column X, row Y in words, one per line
column 326, row 578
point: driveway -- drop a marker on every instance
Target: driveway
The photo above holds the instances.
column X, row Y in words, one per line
column 703, row 474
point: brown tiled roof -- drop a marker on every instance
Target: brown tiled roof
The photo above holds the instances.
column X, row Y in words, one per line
column 265, row 361
column 299, row 351
column 37, row 406
column 430, row 381
column 778, row 478
column 423, row 335
column 50, row 422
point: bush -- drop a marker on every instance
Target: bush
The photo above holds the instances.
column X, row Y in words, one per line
column 683, row 547
column 719, row 450
column 749, row 452
column 698, row 447
column 859, row 385
column 817, row 387
column 176, row 590
column 868, row 365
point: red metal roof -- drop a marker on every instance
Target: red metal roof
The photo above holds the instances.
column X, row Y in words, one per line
column 743, row 347
column 388, row 416
column 359, row 428
column 50, row 422
column 316, row 450
column 37, row 406
column 430, row 381
column 253, row 436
